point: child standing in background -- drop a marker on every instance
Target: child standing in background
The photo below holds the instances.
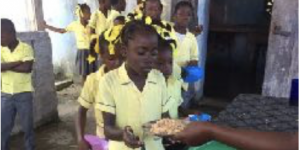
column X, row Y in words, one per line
column 117, row 7
column 153, row 9
column 82, row 36
column 165, row 65
column 16, row 86
column 98, row 22
column 135, row 93
column 188, row 53
column 89, row 92
column 187, row 43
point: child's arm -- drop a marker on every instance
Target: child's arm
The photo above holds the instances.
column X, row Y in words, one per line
column 9, row 66
column 114, row 133
column 54, row 29
column 18, row 66
column 194, row 53
column 80, row 126
column 24, row 67
column 197, row 133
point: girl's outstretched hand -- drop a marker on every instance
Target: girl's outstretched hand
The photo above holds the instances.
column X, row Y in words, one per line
column 130, row 139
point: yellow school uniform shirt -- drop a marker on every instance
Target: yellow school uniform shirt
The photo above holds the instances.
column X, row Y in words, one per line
column 174, row 90
column 187, row 49
column 82, row 34
column 121, row 97
column 88, row 96
column 111, row 18
column 13, row 82
column 98, row 21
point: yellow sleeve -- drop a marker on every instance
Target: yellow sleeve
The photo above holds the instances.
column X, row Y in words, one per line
column 176, row 71
column 87, row 98
column 166, row 98
column 93, row 21
column 178, row 92
column 194, row 50
column 27, row 53
column 71, row 27
column 2, row 56
column 105, row 100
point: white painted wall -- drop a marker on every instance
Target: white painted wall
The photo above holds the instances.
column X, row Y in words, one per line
column 60, row 13
column 20, row 12
column 203, row 19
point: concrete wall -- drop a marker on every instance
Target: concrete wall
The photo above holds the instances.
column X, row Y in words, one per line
column 45, row 98
column 282, row 57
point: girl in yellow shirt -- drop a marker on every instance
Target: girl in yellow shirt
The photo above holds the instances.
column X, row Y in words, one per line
column 187, row 54
column 111, row 60
column 98, row 22
column 135, row 93
column 82, row 35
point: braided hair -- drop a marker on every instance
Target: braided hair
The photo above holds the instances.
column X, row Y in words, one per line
column 133, row 27
column 84, row 7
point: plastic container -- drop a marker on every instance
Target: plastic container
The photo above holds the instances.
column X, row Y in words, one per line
column 96, row 142
column 192, row 74
column 202, row 117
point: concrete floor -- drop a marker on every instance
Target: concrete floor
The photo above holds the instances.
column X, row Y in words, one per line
column 59, row 135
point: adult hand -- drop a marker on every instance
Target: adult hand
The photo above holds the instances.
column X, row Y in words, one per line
column 195, row 133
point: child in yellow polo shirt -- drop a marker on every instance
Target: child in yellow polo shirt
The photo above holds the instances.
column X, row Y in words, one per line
column 135, row 93
column 165, row 64
column 98, row 22
column 16, row 86
column 82, row 35
column 89, row 92
column 187, row 42
column 117, row 7
column 187, row 54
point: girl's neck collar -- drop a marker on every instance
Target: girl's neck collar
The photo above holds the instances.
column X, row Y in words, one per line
column 133, row 74
column 180, row 29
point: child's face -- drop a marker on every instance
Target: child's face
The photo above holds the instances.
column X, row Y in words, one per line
column 141, row 53
column 153, row 9
column 183, row 16
column 165, row 62
column 111, row 61
column 86, row 14
column 122, row 5
column 6, row 37
column 106, row 3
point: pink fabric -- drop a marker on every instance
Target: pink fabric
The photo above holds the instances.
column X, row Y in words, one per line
column 96, row 142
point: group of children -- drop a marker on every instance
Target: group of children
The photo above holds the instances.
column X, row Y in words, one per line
column 139, row 79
